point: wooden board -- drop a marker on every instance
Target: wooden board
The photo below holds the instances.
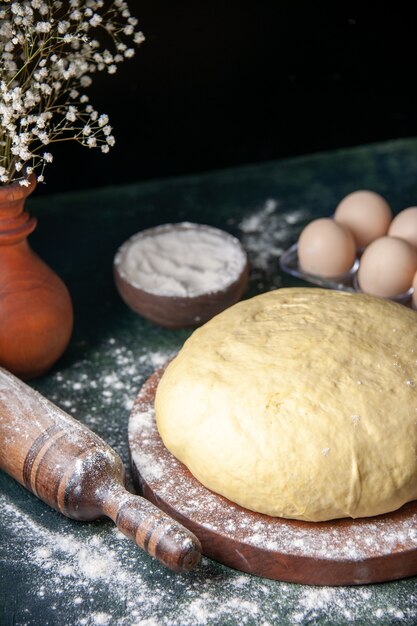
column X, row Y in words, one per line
column 339, row 552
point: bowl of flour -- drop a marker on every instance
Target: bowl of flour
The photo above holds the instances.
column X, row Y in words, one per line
column 181, row 275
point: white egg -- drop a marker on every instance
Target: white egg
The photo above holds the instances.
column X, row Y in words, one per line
column 326, row 248
column 367, row 215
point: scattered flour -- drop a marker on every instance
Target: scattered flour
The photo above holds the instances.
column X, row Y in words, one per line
column 78, row 565
column 106, row 384
column 265, row 235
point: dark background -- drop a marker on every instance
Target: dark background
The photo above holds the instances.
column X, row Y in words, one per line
column 219, row 84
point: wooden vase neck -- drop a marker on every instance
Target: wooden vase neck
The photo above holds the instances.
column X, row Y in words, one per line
column 15, row 223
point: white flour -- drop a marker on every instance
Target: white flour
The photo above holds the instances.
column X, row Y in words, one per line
column 265, row 235
column 78, row 563
column 107, row 383
column 181, row 260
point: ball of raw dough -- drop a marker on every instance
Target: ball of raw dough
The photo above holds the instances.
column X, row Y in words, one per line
column 299, row 403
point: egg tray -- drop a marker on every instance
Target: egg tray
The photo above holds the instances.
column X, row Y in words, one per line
column 344, row 282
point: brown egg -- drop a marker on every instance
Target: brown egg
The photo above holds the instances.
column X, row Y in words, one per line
column 366, row 214
column 387, row 267
column 326, row 248
column 414, row 286
column 404, row 225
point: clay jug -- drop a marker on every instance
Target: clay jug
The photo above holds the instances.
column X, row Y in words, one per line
column 36, row 315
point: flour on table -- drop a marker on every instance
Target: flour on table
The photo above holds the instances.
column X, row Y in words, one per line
column 78, row 562
column 89, row 396
column 266, row 234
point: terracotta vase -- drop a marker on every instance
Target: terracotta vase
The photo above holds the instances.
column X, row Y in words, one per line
column 36, row 316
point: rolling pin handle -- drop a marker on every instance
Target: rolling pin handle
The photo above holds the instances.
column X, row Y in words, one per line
column 155, row 532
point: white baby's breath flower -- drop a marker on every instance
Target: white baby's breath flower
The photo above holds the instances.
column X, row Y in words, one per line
column 44, row 9
column 46, row 54
column 85, row 81
column 43, row 27
column 103, row 120
column 17, row 9
column 63, row 27
column 44, row 138
column 46, row 89
column 75, row 15
column 107, row 57
column 40, row 74
column 96, row 20
column 138, row 38
column 71, row 114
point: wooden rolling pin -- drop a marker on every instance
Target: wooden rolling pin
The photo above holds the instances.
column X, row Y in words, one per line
column 74, row 471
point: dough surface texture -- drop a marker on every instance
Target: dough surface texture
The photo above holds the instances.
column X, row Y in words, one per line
column 299, row 403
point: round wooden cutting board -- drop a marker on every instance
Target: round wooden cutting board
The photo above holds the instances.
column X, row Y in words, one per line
column 339, row 552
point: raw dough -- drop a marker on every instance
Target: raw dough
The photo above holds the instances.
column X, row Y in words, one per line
column 299, row 403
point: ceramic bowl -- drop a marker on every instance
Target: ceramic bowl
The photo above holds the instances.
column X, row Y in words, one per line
column 148, row 294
